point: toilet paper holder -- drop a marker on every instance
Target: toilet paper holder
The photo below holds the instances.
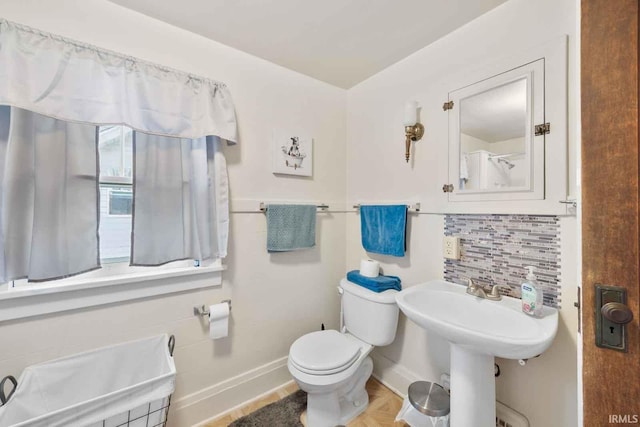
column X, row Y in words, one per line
column 203, row 310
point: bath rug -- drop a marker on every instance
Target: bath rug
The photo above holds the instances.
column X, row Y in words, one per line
column 283, row 413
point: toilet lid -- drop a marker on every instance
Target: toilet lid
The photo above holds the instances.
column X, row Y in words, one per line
column 324, row 352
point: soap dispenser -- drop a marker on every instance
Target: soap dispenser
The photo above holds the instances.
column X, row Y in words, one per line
column 532, row 295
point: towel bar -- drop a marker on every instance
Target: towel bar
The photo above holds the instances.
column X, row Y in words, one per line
column 411, row 208
column 573, row 203
column 263, row 206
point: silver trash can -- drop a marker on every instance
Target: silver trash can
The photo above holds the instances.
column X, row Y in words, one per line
column 426, row 405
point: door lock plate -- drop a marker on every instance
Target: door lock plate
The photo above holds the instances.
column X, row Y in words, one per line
column 610, row 334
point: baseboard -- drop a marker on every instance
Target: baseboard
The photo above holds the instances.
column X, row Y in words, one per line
column 204, row 405
column 394, row 376
column 208, row 403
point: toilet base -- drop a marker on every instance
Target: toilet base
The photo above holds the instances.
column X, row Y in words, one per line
column 330, row 406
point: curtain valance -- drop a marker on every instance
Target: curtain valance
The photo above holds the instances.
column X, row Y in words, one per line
column 74, row 81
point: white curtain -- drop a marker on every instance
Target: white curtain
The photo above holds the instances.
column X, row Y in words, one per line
column 181, row 204
column 59, row 90
column 74, row 81
column 49, row 196
column 5, row 117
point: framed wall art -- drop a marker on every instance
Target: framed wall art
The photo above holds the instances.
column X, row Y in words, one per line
column 292, row 154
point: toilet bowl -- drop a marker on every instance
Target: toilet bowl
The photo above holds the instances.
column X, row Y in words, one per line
column 333, row 366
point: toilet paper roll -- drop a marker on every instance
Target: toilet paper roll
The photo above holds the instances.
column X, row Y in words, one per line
column 218, row 320
column 369, row 268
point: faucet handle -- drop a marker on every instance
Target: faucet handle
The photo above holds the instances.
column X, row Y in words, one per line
column 495, row 292
column 475, row 290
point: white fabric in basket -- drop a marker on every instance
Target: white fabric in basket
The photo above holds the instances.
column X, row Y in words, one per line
column 88, row 387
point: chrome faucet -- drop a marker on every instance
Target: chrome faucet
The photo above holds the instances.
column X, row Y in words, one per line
column 475, row 290
column 478, row 291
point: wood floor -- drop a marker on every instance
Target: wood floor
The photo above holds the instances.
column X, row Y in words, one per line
column 381, row 412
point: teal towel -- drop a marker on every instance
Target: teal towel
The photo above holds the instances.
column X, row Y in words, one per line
column 290, row 227
column 383, row 229
column 375, row 284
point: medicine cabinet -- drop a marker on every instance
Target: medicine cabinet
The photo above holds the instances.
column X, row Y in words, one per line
column 500, row 128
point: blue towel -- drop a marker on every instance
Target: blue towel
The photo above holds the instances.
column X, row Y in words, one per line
column 375, row 284
column 383, row 229
column 290, row 227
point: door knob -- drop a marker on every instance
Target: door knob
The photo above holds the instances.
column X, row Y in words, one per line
column 617, row 312
column 612, row 315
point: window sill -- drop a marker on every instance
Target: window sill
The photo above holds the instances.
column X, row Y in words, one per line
column 82, row 292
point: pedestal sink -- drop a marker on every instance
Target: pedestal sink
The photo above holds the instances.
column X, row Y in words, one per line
column 477, row 330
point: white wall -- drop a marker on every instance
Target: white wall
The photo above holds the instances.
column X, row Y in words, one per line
column 545, row 390
column 470, row 143
column 276, row 298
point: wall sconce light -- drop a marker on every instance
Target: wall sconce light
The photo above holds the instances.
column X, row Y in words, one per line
column 412, row 129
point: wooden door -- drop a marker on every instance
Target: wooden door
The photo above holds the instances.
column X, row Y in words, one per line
column 610, row 223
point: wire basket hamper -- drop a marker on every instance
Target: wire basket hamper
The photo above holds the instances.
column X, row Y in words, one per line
column 153, row 414
column 128, row 384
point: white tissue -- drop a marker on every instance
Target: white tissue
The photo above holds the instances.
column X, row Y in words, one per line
column 218, row 320
column 369, row 268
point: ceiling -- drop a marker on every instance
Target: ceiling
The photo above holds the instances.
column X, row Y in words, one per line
column 341, row 42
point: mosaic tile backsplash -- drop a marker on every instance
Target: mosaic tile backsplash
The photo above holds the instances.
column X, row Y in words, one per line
column 496, row 248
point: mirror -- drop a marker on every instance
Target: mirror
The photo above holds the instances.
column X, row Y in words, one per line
column 492, row 138
column 492, row 145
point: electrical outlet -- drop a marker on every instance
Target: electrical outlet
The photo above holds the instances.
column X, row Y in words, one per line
column 451, row 247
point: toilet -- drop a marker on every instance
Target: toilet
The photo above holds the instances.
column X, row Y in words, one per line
column 334, row 366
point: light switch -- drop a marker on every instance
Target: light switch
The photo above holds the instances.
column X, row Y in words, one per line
column 451, row 247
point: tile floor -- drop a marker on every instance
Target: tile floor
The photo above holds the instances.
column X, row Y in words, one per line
column 381, row 412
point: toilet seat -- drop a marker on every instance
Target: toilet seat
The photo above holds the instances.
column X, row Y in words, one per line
column 324, row 352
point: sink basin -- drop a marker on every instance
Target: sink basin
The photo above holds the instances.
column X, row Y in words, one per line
column 497, row 328
column 477, row 330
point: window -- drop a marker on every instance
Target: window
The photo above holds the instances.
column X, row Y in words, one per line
column 120, row 202
column 65, row 162
column 113, row 282
column 115, row 144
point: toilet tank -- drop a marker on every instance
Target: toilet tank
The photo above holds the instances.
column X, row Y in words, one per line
column 370, row 316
